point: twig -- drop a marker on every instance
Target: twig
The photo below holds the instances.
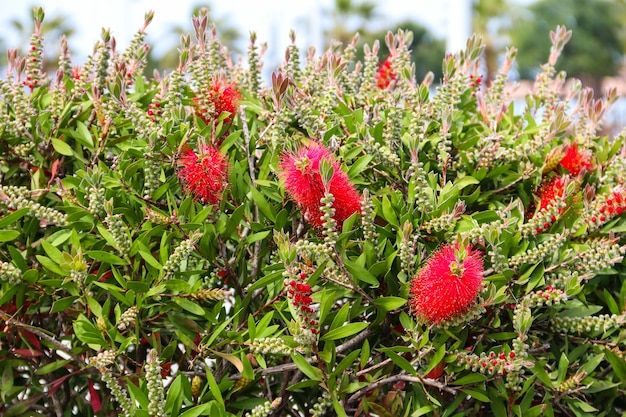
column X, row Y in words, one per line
column 39, row 332
column 251, row 167
column 400, row 377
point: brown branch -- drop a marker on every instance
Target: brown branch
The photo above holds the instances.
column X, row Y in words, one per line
column 400, row 377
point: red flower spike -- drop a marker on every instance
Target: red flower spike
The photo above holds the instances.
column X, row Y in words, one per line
column 549, row 191
column 300, row 172
column 447, row 286
column 385, row 75
column 204, row 174
column 222, row 98
column 575, row 160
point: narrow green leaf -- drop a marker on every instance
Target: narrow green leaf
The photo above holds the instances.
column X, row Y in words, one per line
column 62, row 147
column 313, row 373
column 8, row 235
column 390, row 303
column 359, row 273
column 479, row 395
column 345, row 331
column 151, row 260
column 51, row 367
column 13, row 217
column 84, row 136
column 190, row 306
column 106, row 257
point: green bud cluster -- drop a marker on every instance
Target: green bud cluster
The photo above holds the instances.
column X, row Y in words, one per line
column 151, row 173
column 420, row 188
column 601, row 254
column 102, row 59
column 154, row 382
column 95, row 195
column 381, row 152
column 10, row 274
column 392, row 132
column 330, row 225
column 549, row 246
column 127, row 318
column 17, row 198
column 572, row 382
column 103, row 359
column 254, row 66
column 476, row 311
column 118, row 392
column 265, row 409
column 322, row 404
column 180, row 255
column 270, row 346
column 367, row 217
column 444, row 222
column 596, row 324
column 119, row 231
column 211, row 294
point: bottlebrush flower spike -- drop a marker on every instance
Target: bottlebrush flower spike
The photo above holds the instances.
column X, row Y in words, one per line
column 549, row 191
column 204, row 174
column 218, row 99
column 300, row 172
column 447, row 286
column 576, row 160
column 385, row 75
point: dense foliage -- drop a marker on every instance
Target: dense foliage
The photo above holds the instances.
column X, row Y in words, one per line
column 342, row 241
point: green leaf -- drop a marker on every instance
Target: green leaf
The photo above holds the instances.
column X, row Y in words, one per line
column 175, row 395
column 190, row 306
column 422, row 411
column 479, row 395
column 13, row 217
column 106, row 257
column 198, row 410
column 345, row 331
column 388, row 212
column 83, row 136
column 309, row 370
column 62, row 147
column 87, row 333
column 8, row 235
column 469, row 379
column 53, row 253
column 359, row 273
column 262, row 203
column 399, row 361
column 618, row 364
column 62, row 304
column 390, row 303
column 51, row 367
column 147, row 256
column 360, row 165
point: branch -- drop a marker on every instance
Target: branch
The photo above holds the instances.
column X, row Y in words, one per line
column 401, row 377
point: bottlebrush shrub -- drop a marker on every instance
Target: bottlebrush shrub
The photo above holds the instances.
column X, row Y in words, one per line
column 466, row 258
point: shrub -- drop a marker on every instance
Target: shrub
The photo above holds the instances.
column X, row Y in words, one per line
column 328, row 247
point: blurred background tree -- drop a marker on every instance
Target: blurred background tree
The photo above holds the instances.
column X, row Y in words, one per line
column 54, row 26
column 597, row 45
column 490, row 19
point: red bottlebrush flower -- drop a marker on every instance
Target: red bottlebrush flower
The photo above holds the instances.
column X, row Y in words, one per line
column 300, row 172
column 211, row 104
column 447, row 286
column 575, row 160
column 204, row 174
column 385, row 75
column 548, row 192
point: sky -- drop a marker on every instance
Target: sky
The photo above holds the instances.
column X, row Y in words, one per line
column 270, row 19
